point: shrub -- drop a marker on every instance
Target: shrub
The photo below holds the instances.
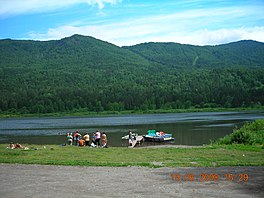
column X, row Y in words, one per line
column 250, row 134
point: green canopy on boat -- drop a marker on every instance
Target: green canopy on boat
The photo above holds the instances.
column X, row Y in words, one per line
column 151, row 132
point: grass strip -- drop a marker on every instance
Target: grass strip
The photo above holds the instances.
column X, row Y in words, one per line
column 209, row 156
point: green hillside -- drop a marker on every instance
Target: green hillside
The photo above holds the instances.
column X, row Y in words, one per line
column 241, row 54
column 71, row 53
column 81, row 72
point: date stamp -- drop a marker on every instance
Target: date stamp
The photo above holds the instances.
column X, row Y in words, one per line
column 241, row 177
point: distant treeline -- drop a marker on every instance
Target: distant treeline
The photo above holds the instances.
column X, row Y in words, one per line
column 197, row 88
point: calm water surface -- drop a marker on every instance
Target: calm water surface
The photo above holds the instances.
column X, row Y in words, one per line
column 187, row 128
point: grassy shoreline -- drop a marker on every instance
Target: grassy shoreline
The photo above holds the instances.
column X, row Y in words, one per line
column 244, row 147
column 112, row 113
column 208, row 156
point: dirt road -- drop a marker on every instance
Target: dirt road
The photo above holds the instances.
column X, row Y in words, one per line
column 39, row 181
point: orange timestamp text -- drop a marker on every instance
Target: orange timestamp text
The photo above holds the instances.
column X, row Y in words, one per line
column 242, row 177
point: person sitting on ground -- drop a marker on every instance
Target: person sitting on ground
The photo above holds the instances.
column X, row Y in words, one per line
column 104, row 140
column 11, row 146
column 87, row 139
column 81, row 142
column 18, row 146
column 93, row 145
column 69, row 138
column 93, row 140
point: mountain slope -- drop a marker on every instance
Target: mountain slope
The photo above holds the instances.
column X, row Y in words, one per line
column 81, row 72
column 75, row 51
column 242, row 53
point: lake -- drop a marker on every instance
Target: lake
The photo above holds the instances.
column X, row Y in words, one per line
column 187, row 128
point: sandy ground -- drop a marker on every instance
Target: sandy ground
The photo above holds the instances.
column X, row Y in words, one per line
column 20, row 181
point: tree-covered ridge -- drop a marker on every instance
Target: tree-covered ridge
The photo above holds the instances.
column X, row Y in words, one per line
column 73, row 52
column 83, row 72
column 241, row 54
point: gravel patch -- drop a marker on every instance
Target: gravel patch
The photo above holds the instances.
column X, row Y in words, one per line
column 43, row 181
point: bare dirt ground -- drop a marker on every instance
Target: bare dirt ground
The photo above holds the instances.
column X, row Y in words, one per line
column 39, row 181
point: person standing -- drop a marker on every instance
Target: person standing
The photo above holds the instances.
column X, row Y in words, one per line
column 87, row 139
column 93, row 140
column 97, row 138
column 130, row 137
column 104, row 140
column 76, row 138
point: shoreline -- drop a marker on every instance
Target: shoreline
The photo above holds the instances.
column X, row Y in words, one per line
column 81, row 113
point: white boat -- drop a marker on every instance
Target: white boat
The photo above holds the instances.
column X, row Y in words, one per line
column 158, row 136
column 136, row 139
column 126, row 137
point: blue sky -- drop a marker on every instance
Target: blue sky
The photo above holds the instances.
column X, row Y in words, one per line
column 129, row 22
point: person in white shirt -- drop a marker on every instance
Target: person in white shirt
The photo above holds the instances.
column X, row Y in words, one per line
column 97, row 138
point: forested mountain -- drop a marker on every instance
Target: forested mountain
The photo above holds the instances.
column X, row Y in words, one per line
column 69, row 53
column 81, row 72
column 242, row 53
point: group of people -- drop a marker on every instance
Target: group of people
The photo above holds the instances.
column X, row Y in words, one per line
column 98, row 139
column 15, row 146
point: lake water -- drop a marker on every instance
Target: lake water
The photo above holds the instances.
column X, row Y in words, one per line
column 187, row 128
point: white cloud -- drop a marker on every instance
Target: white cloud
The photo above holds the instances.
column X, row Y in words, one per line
column 130, row 35
column 199, row 27
column 16, row 7
column 220, row 36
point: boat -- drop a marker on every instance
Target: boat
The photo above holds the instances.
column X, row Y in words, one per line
column 136, row 139
column 126, row 137
column 158, row 136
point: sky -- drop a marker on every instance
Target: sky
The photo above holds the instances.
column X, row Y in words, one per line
column 130, row 22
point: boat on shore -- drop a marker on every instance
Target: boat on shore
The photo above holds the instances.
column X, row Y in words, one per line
column 158, row 136
column 126, row 137
column 134, row 140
